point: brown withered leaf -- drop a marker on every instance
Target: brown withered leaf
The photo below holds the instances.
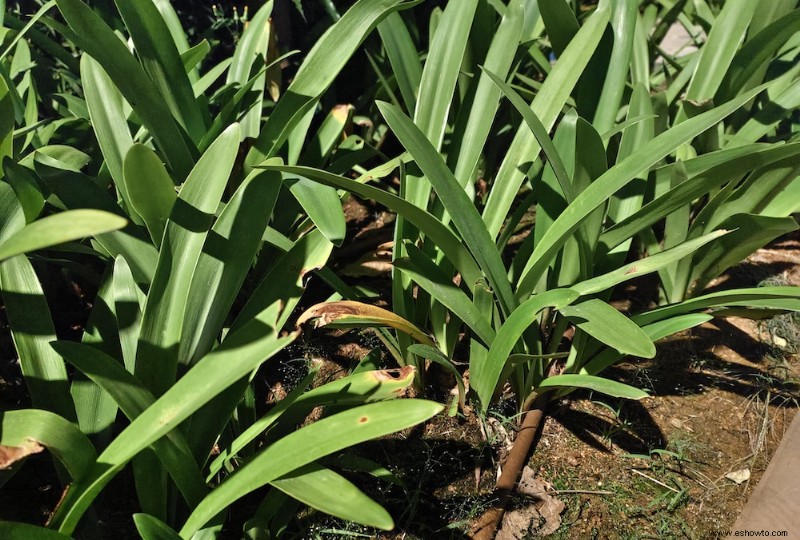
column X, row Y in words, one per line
column 543, row 514
column 11, row 454
column 374, row 263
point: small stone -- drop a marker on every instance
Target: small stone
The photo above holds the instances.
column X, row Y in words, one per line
column 739, row 477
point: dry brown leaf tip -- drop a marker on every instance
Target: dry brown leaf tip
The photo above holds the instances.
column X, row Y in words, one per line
column 12, row 454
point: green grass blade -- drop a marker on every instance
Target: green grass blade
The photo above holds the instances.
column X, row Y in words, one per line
column 309, row 444
column 613, row 180
column 457, row 203
column 356, row 389
column 176, row 31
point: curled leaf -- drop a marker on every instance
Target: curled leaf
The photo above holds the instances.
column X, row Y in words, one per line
column 350, row 314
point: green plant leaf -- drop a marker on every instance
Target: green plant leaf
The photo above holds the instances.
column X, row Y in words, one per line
column 617, row 177
column 654, row 331
column 249, row 57
column 32, row 330
column 356, row 389
column 240, row 353
column 750, row 232
column 645, row 265
column 151, row 528
column 25, row 531
column 403, row 57
column 439, row 77
column 323, row 62
column 226, row 258
column 780, row 298
column 598, row 384
column 720, row 48
column 463, row 212
column 430, row 277
column 61, row 437
column 99, row 41
column 330, row 492
column 547, row 105
column 611, row 327
column 107, row 111
column 322, row 205
column 484, row 105
column 151, row 192
column 186, row 232
column 309, row 444
column 425, row 222
column 133, row 399
column 484, row 378
column 755, row 53
column 58, row 229
column 700, row 180
column 159, row 56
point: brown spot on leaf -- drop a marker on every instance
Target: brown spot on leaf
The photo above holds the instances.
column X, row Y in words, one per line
column 632, row 270
column 384, row 375
column 362, row 419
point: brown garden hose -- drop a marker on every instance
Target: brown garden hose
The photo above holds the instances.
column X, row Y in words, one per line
column 486, row 525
